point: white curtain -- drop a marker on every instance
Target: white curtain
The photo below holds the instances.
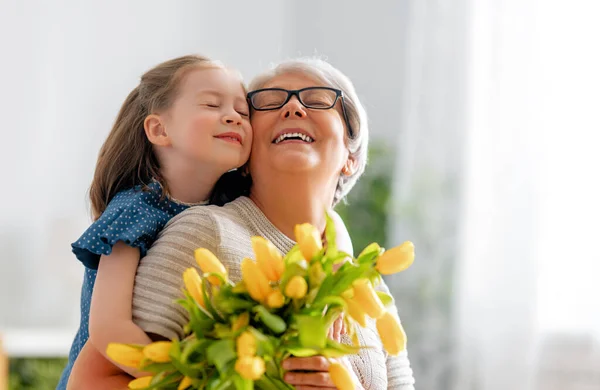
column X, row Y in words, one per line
column 527, row 307
column 518, row 236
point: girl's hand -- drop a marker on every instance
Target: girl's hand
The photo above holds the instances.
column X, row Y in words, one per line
column 312, row 373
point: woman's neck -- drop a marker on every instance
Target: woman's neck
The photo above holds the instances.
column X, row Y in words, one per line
column 288, row 200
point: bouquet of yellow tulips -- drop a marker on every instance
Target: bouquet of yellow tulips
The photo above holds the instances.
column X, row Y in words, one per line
column 239, row 334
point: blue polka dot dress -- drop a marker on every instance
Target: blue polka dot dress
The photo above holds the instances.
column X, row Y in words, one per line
column 134, row 216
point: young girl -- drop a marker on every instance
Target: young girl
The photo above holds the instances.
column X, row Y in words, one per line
column 177, row 133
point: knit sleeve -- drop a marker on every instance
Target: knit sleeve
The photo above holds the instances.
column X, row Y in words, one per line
column 159, row 281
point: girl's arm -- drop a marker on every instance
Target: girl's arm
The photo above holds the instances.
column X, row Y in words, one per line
column 92, row 371
column 110, row 312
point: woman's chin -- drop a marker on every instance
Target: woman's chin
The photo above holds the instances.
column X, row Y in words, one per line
column 294, row 161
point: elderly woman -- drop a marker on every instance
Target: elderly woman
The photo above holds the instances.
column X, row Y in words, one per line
column 309, row 149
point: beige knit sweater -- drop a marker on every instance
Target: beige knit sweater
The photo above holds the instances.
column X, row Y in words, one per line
column 226, row 231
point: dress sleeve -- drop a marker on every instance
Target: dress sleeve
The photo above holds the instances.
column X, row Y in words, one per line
column 129, row 217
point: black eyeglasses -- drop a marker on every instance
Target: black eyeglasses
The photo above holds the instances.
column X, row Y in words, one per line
column 316, row 98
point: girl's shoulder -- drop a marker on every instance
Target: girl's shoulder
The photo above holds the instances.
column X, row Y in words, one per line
column 134, row 216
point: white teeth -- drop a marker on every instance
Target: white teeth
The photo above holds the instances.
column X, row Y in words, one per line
column 284, row 136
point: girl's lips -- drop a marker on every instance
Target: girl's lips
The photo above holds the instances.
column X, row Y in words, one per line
column 231, row 137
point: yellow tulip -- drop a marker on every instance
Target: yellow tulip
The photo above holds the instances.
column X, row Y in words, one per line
column 246, row 344
column 275, row 300
column 367, row 299
column 140, row 383
column 158, row 351
column 125, row 355
column 241, row 321
column 396, row 259
column 255, row 281
column 250, row 367
column 193, row 284
column 341, row 377
column 356, row 312
column 268, row 258
column 391, row 333
column 308, row 239
column 208, row 262
column 296, row 287
column 185, row 383
column 370, row 248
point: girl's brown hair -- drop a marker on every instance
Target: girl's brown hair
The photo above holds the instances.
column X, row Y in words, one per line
column 126, row 158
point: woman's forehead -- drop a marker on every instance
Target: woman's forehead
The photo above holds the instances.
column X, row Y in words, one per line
column 295, row 80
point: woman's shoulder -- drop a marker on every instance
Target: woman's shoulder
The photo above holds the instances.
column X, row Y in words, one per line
column 211, row 216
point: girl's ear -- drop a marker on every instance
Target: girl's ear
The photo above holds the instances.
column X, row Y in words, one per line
column 155, row 131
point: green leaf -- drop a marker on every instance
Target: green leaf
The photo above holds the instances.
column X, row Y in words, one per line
column 386, row 299
column 165, row 379
column 192, row 347
column 330, row 236
column 369, row 254
column 316, row 274
column 209, row 306
column 220, row 353
column 156, row 368
column 242, row 384
column 175, row 351
column 239, row 288
column 268, row 383
column 264, row 345
column 293, row 256
column 231, row 304
column 302, row 352
column 272, row 321
column 219, row 383
column 312, row 331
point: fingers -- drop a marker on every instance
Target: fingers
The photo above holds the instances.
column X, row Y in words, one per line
column 314, row 379
column 337, row 329
column 314, row 363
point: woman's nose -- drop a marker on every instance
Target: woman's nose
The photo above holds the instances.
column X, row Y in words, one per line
column 293, row 108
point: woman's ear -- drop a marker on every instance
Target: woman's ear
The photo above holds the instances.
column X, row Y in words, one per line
column 350, row 166
column 155, row 131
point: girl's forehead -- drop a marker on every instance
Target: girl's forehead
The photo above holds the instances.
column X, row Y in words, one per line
column 212, row 79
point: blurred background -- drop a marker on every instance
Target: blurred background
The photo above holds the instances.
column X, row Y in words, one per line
column 485, row 136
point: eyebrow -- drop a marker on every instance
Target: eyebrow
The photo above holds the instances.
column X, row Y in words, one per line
column 209, row 92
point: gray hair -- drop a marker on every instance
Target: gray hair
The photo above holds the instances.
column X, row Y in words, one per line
column 357, row 116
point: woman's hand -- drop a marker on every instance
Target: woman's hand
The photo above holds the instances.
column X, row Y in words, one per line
column 337, row 329
column 312, row 373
